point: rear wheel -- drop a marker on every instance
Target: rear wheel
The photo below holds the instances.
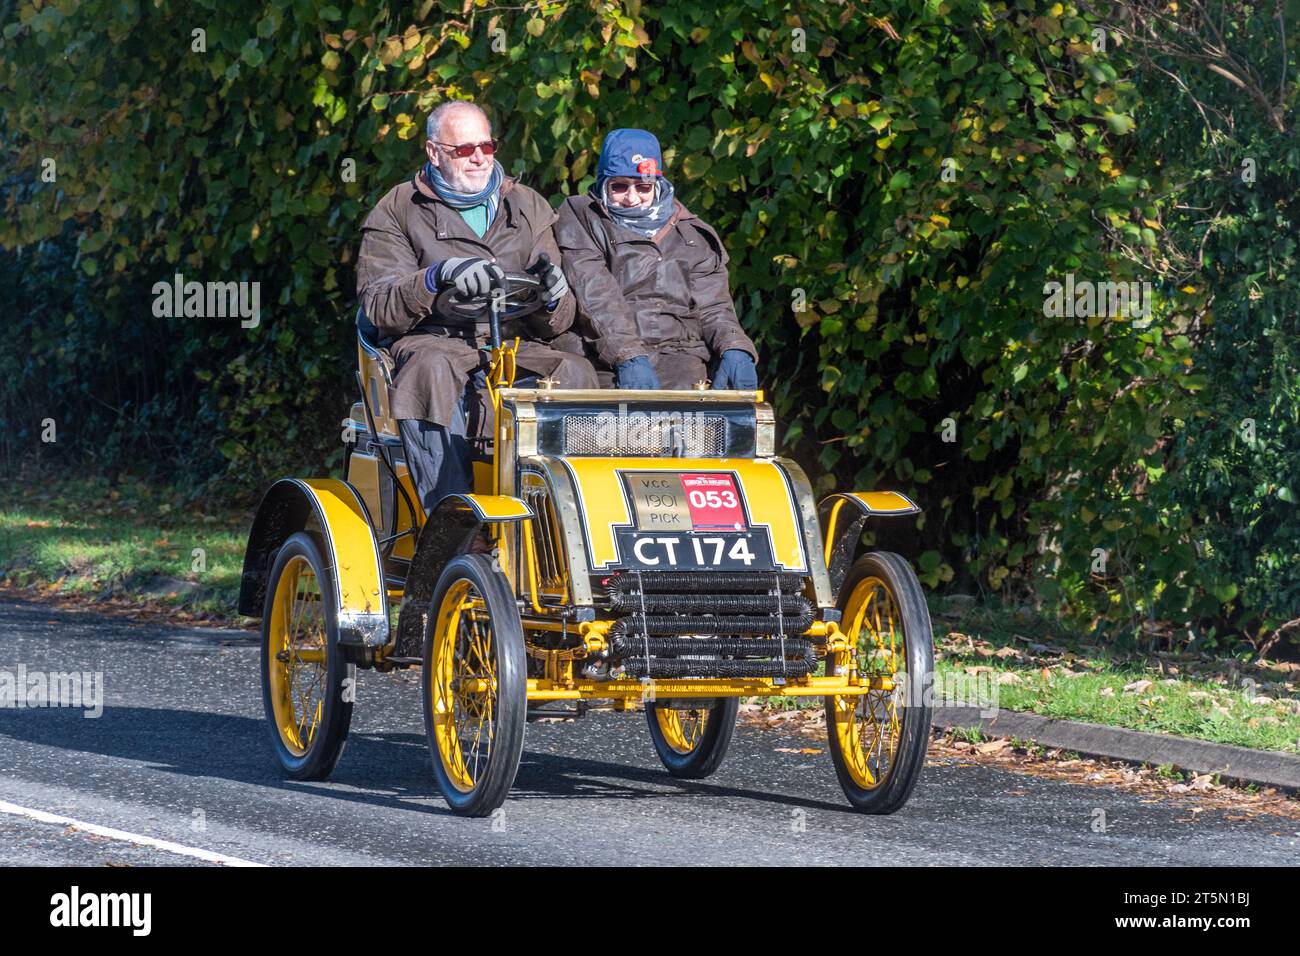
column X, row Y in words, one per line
column 878, row 740
column 303, row 668
column 475, row 686
column 692, row 740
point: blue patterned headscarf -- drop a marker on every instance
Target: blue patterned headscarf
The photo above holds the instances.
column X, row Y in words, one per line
column 646, row 220
column 490, row 194
column 634, row 153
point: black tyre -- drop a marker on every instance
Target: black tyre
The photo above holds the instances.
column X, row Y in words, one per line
column 308, row 705
column 878, row 740
column 691, row 741
column 475, row 685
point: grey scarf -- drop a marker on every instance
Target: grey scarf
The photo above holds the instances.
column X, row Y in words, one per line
column 645, row 220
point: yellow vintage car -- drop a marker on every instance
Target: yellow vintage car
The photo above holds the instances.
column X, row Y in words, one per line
column 643, row 549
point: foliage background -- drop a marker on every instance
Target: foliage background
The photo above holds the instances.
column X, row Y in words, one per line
column 1097, row 466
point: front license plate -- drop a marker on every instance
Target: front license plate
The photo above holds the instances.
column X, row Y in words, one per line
column 724, row 551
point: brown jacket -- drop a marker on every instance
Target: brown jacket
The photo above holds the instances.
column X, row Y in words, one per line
column 638, row 295
column 408, row 231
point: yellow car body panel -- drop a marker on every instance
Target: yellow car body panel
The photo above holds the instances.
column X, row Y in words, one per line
column 498, row 507
column 359, row 576
column 764, row 486
column 884, row 502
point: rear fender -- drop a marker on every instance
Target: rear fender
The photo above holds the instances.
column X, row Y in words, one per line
column 842, row 518
column 290, row 506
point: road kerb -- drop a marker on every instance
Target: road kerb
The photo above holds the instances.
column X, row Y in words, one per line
column 1237, row 764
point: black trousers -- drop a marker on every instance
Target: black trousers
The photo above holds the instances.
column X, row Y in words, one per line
column 439, row 459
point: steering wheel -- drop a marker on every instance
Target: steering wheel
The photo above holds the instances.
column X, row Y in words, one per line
column 521, row 295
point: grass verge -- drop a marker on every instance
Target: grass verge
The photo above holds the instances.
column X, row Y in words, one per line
column 1031, row 665
column 79, row 537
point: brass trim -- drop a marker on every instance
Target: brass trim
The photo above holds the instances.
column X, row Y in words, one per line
column 616, row 395
column 525, row 420
column 764, row 431
column 811, row 527
column 565, row 502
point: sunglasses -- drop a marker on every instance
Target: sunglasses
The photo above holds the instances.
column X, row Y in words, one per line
column 467, row 149
column 643, row 189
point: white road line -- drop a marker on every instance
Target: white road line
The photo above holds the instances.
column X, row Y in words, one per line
column 177, row 848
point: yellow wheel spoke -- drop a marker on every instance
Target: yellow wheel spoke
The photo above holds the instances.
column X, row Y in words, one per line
column 464, row 686
column 682, row 730
column 297, row 627
column 867, row 728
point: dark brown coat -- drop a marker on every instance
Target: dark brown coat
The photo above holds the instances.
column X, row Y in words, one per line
column 641, row 296
column 408, row 231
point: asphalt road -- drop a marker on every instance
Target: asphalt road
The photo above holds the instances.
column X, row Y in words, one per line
column 181, row 754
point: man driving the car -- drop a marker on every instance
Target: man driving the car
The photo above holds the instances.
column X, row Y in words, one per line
column 457, row 226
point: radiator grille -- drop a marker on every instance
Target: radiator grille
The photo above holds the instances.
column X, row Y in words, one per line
column 547, row 538
column 651, row 435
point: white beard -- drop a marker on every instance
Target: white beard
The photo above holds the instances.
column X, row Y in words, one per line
column 462, row 183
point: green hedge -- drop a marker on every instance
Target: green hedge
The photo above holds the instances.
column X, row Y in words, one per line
column 913, row 178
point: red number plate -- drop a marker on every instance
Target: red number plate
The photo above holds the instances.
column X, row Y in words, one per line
column 714, row 502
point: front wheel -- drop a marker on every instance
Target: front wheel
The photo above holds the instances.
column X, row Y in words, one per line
column 475, row 686
column 878, row 740
column 692, row 740
column 304, row 674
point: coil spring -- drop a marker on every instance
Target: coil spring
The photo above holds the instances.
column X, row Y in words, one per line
column 710, row 603
column 628, row 645
column 718, row 667
column 693, row 581
column 652, row 624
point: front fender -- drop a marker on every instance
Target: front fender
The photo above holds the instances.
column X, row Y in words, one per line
column 450, row 530
column 840, row 534
column 350, row 547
